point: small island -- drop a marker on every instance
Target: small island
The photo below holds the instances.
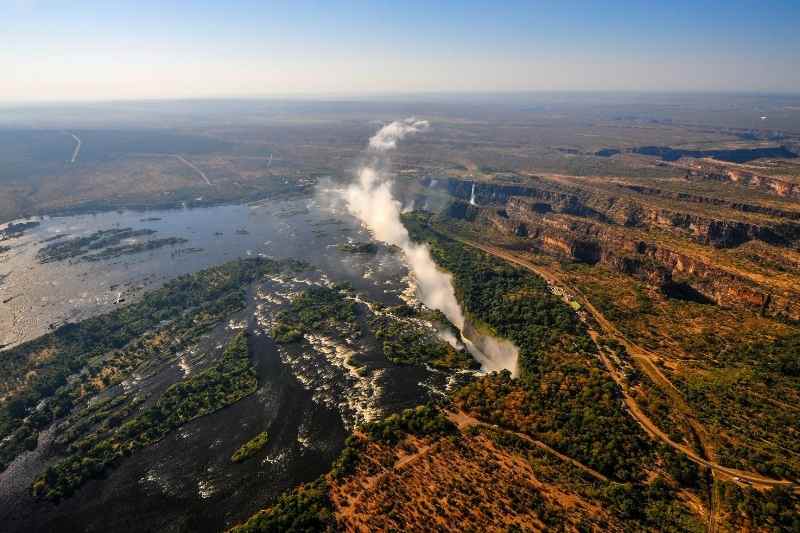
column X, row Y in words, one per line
column 358, row 248
column 250, row 448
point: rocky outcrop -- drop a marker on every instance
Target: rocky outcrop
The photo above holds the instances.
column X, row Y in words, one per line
column 766, row 184
column 489, row 193
column 721, row 233
column 624, row 211
column 676, row 273
column 723, row 287
column 547, row 197
column 461, row 211
column 602, row 226
column 707, row 200
column 705, row 230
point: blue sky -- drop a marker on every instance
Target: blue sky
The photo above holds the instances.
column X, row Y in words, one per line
column 58, row 50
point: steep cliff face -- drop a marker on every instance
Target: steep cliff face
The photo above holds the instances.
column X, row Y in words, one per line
column 707, row 200
column 546, row 197
column 578, row 240
column 599, row 226
column 720, row 233
column 625, row 211
column 668, row 269
column 487, row 193
column 723, row 287
column 750, row 180
column 461, row 210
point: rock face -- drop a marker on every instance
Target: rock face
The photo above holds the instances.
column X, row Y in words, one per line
column 707, row 200
column 625, row 211
column 607, row 229
column 462, row 210
column 490, row 193
column 722, row 233
column 718, row 285
column 766, row 184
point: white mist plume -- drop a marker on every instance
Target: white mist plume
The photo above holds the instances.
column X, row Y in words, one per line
column 387, row 136
column 370, row 200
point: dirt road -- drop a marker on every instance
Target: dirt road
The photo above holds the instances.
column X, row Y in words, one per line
column 645, row 359
column 464, row 420
column 195, row 168
column 77, row 148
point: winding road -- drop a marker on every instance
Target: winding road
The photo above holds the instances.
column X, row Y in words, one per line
column 645, row 360
column 195, row 168
column 464, row 421
column 77, row 148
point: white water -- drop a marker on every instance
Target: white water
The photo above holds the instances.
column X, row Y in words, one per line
column 472, row 196
column 370, row 199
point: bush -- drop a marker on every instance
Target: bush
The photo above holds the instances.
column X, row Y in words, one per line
column 250, row 448
column 422, row 421
column 306, row 509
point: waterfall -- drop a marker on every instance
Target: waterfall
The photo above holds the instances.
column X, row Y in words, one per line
column 369, row 198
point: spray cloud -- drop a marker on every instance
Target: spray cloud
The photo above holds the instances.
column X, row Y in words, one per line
column 370, row 200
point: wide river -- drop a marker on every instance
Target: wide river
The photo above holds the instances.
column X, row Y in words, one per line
column 309, row 396
column 36, row 296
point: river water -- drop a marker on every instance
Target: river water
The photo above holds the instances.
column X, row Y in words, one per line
column 36, row 296
column 309, row 396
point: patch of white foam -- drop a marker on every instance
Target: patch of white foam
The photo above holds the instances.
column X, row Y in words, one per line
column 183, row 364
column 153, row 477
column 358, row 400
column 131, row 382
column 235, row 325
column 276, row 459
column 205, row 489
column 304, row 437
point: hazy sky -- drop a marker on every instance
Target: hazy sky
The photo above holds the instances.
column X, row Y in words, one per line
column 59, row 50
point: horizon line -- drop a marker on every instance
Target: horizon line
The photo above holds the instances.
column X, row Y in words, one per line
column 372, row 95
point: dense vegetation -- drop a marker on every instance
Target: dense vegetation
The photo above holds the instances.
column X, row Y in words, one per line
column 305, row 509
column 576, row 411
column 348, row 459
column 738, row 370
column 754, row 389
column 406, row 342
column 103, row 244
column 317, row 309
column 373, row 452
column 563, row 397
column 403, row 336
column 422, row 421
column 99, row 351
column 61, row 250
column 650, row 506
column 17, row 229
column 514, row 303
column 358, row 247
column 250, row 448
column 772, row 510
column 229, row 380
column 129, row 249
